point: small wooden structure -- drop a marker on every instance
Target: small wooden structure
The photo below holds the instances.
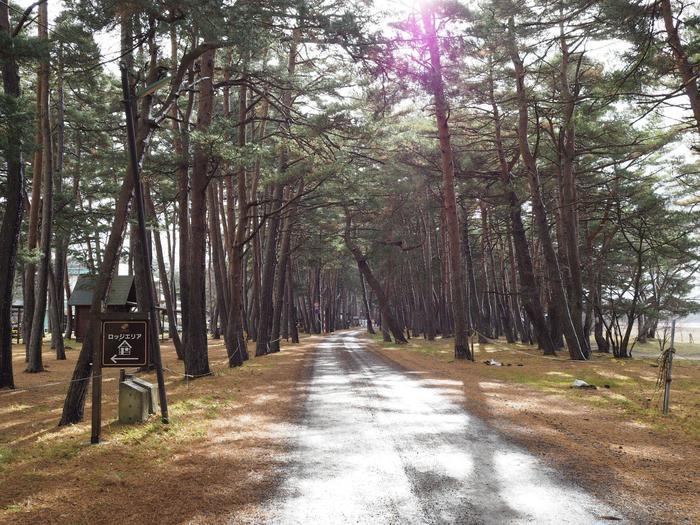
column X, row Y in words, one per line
column 120, row 298
column 16, row 318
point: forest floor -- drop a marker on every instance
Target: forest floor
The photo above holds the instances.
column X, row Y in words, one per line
column 228, row 444
column 218, row 457
column 612, row 439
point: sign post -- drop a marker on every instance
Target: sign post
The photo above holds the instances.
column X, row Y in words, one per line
column 143, row 237
column 123, row 344
column 669, row 368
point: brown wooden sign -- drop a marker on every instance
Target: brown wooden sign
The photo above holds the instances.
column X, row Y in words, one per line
column 124, row 342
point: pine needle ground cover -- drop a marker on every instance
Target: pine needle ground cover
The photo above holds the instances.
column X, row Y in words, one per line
column 218, row 459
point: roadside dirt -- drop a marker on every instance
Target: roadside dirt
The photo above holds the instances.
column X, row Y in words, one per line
column 223, row 453
column 649, row 471
column 217, row 459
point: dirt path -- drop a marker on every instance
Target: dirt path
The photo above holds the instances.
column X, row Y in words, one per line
column 377, row 444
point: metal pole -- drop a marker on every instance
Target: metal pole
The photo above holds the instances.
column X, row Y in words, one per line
column 143, row 237
column 669, row 366
column 96, row 426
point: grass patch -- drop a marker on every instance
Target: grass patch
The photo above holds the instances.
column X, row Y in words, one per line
column 61, row 450
column 7, row 456
column 53, row 451
column 627, row 385
column 14, row 507
column 188, row 421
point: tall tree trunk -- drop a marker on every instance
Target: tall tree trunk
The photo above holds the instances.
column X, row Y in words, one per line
column 490, row 316
column 69, row 314
column 36, row 338
column 389, row 322
column 236, row 345
column 12, row 218
column 512, row 282
column 428, row 292
column 292, row 317
column 479, row 321
column 223, row 294
column 37, row 175
column 528, row 283
column 500, row 293
column 568, row 198
column 165, row 283
column 445, row 320
column 181, row 140
column 462, row 350
column 365, row 303
column 74, row 205
column 576, row 350
column 285, row 251
column 63, row 239
column 265, row 320
column 55, row 317
column 142, row 274
column 683, row 63
column 196, row 349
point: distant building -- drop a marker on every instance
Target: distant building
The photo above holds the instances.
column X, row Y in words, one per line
column 120, row 298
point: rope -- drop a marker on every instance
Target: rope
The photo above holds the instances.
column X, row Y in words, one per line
column 15, row 391
column 212, row 369
column 476, row 332
column 88, row 378
column 553, row 358
column 195, row 376
column 270, row 342
column 45, row 385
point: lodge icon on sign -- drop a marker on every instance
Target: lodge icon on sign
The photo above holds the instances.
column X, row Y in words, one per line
column 124, row 349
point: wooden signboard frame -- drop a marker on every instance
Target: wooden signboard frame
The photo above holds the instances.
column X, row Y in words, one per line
column 124, row 347
column 99, row 360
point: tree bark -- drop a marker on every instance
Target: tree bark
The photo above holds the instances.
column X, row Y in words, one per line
column 236, row 345
column 479, row 322
column 568, row 197
column 365, row 303
column 33, row 226
column 265, row 320
column 389, row 322
column 14, row 206
column 63, row 239
column 576, row 350
column 55, row 317
column 462, row 350
column 36, row 338
column 683, row 64
column 292, row 317
column 285, row 251
column 528, row 283
column 181, row 142
column 223, row 295
column 163, row 274
column 428, row 302
column 196, row 349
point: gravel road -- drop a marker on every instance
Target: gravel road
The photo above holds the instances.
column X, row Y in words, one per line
column 378, row 444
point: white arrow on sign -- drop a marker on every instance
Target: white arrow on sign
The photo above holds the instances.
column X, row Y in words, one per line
column 116, row 359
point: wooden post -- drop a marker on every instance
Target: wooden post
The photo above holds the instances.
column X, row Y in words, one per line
column 145, row 245
column 96, row 391
column 669, row 366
